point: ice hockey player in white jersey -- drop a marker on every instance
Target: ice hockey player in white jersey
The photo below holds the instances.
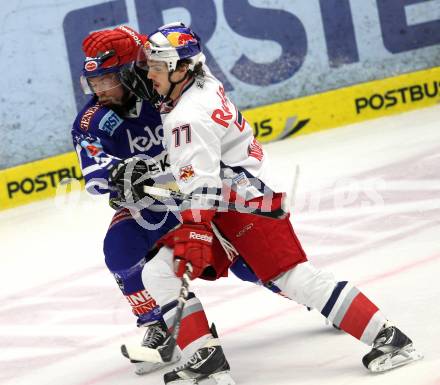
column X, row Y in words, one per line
column 213, row 154
column 114, row 132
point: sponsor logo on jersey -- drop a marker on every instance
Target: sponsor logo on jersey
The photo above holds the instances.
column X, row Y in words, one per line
column 241, row 180
column 87, row 116
column 255, row 150
column 223, row 115
column 186, row 173
column 159, row 165
column 144, row 143
column 110, row 122
column 91, row 66
column 93, row 149
column 141, row 302
column 244, row 230
column 200, row 237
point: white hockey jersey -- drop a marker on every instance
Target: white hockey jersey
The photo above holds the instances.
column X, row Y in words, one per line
column 210, row 142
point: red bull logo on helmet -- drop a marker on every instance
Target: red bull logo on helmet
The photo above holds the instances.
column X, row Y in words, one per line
column 178, row 39
column 91, row 66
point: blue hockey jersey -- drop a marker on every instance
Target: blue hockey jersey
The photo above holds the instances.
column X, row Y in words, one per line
column 102, row 138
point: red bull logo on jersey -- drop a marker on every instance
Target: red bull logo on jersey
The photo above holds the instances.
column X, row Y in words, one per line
column 178, row 39
column 186, row 173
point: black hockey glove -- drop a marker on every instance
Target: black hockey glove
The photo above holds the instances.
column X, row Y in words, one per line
column 128, row 178
column 136, row 80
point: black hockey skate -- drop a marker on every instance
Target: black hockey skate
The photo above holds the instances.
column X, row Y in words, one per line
column 146, row 357
column 391, row 349
column 208, row 362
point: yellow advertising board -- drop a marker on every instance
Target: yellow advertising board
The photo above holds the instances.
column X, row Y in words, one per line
column 39, row 180
column 346, row 105
column 36, row 180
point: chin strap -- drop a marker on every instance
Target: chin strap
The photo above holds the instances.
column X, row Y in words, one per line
column 174, row 84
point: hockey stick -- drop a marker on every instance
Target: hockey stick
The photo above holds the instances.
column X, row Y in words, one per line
column 290, row 198
column 216, row 201
column 138, row 353
column 167, row 352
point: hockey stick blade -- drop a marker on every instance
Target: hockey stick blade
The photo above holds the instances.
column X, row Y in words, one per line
column 141, row 353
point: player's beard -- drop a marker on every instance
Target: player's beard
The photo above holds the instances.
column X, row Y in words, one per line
column 119, row 105
column 125, row 108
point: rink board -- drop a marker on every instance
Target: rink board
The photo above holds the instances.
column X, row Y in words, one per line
column 40, row 179
column 346, row 105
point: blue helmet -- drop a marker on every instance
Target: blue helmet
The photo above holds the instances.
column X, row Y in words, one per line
column 98, row 66
column 173, row 42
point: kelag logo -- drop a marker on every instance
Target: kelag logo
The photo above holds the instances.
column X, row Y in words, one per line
column 279, row 26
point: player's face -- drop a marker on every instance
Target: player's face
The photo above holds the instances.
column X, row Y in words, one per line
column 108, row 89
column 158, row 73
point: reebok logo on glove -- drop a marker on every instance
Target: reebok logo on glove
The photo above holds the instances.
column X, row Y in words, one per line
column 200, row 237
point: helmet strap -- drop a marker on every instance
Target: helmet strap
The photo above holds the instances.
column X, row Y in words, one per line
column 174, row 84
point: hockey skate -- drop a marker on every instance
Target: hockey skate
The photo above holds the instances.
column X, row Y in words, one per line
column 391, row 349
column 146, row 357
column 207, row 363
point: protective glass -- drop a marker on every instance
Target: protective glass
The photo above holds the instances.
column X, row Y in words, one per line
column 152, row 61
column 97, row 84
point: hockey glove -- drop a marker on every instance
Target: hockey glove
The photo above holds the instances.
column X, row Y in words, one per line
column 123, row 40
column 192, row 242
column 128, row 178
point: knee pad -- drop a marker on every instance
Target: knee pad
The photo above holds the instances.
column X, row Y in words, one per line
column 307, row 285
column 159, row 278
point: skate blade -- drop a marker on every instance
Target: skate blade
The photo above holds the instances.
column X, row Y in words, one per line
column 394, row 360
column 221, row 378
column 147, row 367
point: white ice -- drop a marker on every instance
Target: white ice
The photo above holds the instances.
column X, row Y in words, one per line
column 366, row 207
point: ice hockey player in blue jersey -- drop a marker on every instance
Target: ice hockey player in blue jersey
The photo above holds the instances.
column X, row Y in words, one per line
column 113, row 126
column 113, row 131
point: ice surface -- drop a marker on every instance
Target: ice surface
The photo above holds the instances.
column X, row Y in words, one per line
column 367, row 208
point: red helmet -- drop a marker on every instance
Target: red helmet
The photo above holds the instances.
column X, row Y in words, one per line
column 108, row 51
